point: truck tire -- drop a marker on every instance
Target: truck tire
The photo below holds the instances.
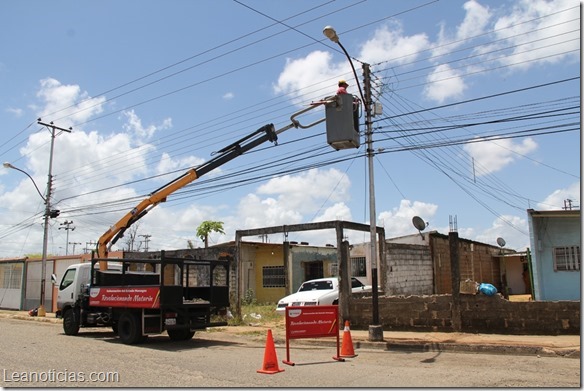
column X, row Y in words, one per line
column 180, row 334
column 130, row 328
column 70, row 322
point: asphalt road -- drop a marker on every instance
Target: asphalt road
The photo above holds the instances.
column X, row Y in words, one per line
column 40, row 351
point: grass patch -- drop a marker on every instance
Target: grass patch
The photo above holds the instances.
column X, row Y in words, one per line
column 258, row 314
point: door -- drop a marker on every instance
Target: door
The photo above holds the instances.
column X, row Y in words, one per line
column 313, row 270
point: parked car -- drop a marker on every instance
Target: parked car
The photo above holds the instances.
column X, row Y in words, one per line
column 322, row 291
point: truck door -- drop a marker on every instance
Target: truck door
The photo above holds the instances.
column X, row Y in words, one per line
column 71, row 282
column 67, row 288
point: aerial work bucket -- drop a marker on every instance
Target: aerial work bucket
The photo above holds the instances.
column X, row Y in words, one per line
column 342, row 122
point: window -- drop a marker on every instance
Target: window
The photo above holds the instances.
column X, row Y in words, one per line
column 325, row 285
column 358, row 266
column 68, row 279
column 567, row 258
column 12, row 274
column 273, row 277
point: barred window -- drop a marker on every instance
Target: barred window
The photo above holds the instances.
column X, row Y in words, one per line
column 273, row 277
column 358, row 267
column 567, row 258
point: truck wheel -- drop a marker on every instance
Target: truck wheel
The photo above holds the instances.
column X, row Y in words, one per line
column 180, row 334
column 70, row 322
column 129, row 328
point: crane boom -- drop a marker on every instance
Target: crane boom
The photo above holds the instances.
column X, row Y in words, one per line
column 230, row 152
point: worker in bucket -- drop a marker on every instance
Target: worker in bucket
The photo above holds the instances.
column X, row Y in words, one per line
column 342, row 87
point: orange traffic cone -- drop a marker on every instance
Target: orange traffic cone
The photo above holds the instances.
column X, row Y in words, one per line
column 347, row 344
column 270, row 360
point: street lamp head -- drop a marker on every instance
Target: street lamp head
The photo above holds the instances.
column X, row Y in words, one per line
column 8, row 165
column 331, row 34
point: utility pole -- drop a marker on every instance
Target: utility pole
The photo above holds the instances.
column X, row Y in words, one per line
column 87, row 246
column 146, row 240
column 375, row 329
column 52, row 128
column 74, row 243
column 67, row 228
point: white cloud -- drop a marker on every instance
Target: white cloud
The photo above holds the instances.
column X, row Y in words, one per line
column 555, row 201
column 134, row 125
column 444, row 83
column 536, row 33
column 309, row 77
column 398, row 221
column 339, row 211
column 493, row 156
column 16, row 112
column 307, row 190
column 168, row 164
column 68, row 102
column 513, row 229
column 475, row 20
column 255, row 212
column 228, row 96
column 390, row 44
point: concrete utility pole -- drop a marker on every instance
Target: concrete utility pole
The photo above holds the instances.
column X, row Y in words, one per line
column 146, row 240
column 87, row 246
column 74, row 243
column 375, row 329
column 67, row 228
column 52, row 128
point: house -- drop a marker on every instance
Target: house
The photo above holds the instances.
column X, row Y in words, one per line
column 420, row 264
column 266, row 267
column 555, row 238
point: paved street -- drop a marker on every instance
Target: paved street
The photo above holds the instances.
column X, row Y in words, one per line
column 218, row 359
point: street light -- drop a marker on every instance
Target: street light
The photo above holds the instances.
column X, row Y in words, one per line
column 41, row 309
column 331, row 34
column 375, row 330
column 48, row 212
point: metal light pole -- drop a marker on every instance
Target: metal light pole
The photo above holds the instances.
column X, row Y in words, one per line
column 47, row 201
column 375, row 329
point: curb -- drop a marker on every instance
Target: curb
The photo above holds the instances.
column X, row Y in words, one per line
column 394, row 345
column 437, row 347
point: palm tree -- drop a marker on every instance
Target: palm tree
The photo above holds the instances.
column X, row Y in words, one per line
column 206, row 228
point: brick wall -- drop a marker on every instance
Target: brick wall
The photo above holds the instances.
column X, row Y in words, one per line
column 477, row 262
column 409, row 270
column 479, row 314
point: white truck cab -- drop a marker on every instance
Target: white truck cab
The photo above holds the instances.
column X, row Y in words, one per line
column 76, row 281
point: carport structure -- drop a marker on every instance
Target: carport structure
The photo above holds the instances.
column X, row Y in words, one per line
column 342, row 255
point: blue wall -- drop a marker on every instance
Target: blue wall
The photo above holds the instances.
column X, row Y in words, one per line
column 549, row 230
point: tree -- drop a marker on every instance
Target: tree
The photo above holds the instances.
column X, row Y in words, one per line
column 206, row 228
column 131, row 234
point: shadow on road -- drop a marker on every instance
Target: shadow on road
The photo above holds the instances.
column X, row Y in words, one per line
column 161, row 342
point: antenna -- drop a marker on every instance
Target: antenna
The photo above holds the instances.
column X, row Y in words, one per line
column 501, row 242
column 420, row 225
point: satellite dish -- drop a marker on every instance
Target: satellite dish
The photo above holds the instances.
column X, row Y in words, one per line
column 501, row 242
column 419, row 223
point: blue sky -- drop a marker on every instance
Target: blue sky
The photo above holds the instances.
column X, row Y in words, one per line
column 481, row 116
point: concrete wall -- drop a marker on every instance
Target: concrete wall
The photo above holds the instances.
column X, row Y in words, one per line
column 478, row 313
column 548, row 230
column 409, row 270
column 477, row 262
column 302, row 255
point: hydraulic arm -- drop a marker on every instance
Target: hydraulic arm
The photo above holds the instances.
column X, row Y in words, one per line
column 230, row 152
